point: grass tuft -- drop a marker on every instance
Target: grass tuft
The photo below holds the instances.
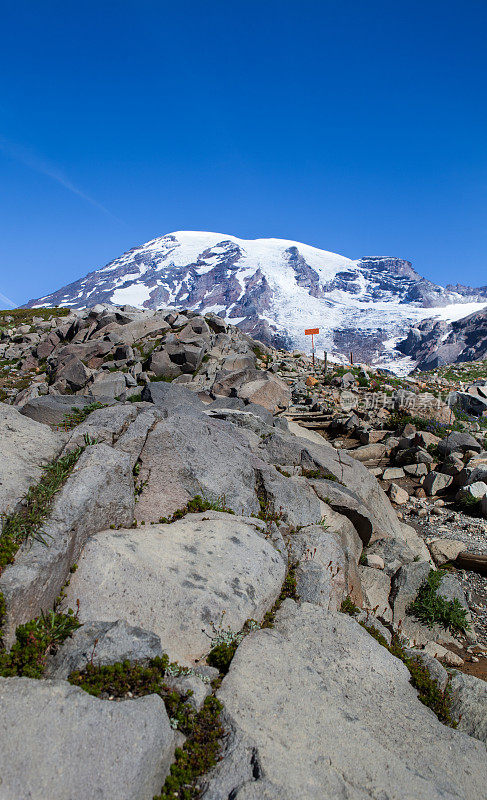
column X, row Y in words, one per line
column 26, row 524
column 196, row 506
column 34, row 641
column 430, row 607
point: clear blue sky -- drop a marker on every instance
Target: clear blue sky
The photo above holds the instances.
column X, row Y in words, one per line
column 359, row 127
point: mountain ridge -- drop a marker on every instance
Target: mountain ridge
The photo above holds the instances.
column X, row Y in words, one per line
column 275, row 288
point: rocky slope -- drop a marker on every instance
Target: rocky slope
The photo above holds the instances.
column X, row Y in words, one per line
column 273, row 289
column 208, row 588
column 435, row 343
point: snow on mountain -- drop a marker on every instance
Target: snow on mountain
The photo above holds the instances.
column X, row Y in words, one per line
column 275, row 288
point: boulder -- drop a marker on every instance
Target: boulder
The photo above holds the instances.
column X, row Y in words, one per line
column 398, row 495
column 52, row 409
column 444, row 550
column 458, row 443
column 98, row 493
column 436, row 483
column 369, row 452
column 345, row 502
column 104, row 425
column 178, row 579
column 162, row 366
column 473, row 491
column 110, row 385
column 307, row 448
column 60, row 742
column 339, row 695
column 376, row 588
column 188, row 455
column 102, row 643
column 27, row 446
column 268, row 391
column 292, row 498
column 171, row 398
column 469, row 704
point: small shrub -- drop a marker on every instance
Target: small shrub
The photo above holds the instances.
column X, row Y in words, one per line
column 34, row 641
column 26, row 523
column 78, row 415
column 430, row 607
column 349, row 607
column 288, row 589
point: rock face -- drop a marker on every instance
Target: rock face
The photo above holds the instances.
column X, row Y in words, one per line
column 433, row 343
column 469, row 704
column 59, row 742
column 27, row 446
column 178, row 579
column 338, row 696
column 99, row 492
column 186, row 455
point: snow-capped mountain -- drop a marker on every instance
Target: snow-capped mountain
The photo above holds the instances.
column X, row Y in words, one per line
column 274, row 289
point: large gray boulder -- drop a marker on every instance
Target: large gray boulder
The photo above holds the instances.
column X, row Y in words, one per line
column 98, row 493
column 61, row 743
column 313, row 452
column 292, row 498
column 102, row 643
column 178, row 579
column 344, row 501
column 52, row 409
column 316, row 703
column 26, row 447
column 188, row 455
column 458, row 443
column 103, row 425
column 469, row 704
column 170, row 398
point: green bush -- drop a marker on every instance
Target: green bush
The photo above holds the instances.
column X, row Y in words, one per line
column 430, row 607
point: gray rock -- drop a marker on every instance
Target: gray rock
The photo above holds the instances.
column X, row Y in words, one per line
column 98, row 493
column 369, row 452
column 60, row 742
column 103, row 425
column 473, row 491
column 186, row 456
column 376, row 588
column 108, row 385
column 162, row 366
column 171, row 398
column 458, row 442
column 393, row 473
column 436, row 482
column 103, row 643
column 52, row 409
column 134, row 438
column 319, row 701
column 293, row 498
column 469, row 704
column 321, row 574
column 178, row 579
column 27, row 446
column 342, row 500
column 268, row 391
column 299, row 446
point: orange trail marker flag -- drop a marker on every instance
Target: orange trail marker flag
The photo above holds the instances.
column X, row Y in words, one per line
column 312, row 332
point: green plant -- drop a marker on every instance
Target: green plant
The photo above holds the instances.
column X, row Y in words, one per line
column 224, row 643
column 196, row 506
column 430, row 607
column 349, row 607
column 26, row 523
column 34, row 641
column 288, row 590
column 203, row 730
column 78, row 415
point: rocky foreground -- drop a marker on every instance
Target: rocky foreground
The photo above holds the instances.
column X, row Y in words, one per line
column 226, row 574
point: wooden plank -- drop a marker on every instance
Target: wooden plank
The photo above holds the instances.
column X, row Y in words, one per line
column 471, row 561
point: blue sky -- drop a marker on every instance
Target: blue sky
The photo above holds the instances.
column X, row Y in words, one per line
column 359, row 127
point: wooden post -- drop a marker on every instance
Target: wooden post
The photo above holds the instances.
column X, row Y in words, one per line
column 326, row 362
column 313, row 349
column 351, row 358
